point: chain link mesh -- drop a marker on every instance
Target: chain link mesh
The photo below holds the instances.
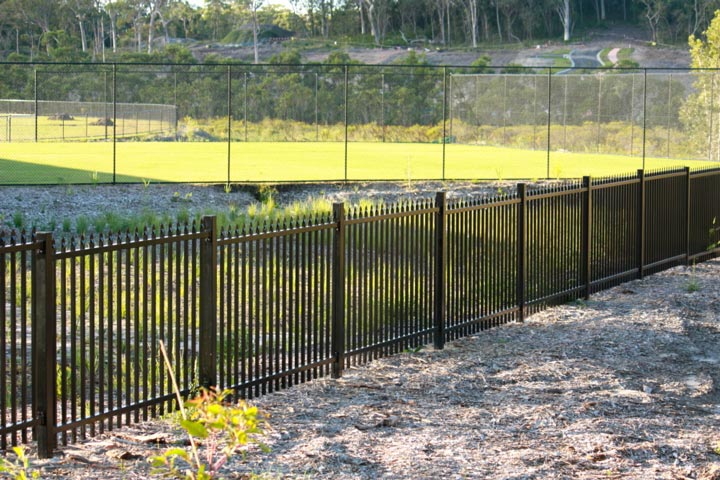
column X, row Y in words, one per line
column 402, row 118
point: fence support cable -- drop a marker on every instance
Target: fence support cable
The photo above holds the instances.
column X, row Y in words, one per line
column 207, row 361
column 440, row 266
column 44, row 344
column 338, row 292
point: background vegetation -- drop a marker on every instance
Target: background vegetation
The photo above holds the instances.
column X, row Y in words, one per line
column 82, row 30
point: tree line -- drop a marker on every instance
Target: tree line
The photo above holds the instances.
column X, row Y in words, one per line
column 98, row 30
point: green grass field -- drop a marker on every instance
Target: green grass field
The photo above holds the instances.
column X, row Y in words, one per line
column 22, row 128
column 53, row 163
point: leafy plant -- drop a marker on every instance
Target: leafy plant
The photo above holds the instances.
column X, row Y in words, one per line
column 693, row 285
column 18, row 220
column 18, row 469
column 265, row 193
column 222, row 427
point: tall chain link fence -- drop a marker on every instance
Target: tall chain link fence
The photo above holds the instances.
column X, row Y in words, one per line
column 234, row 123
column 660, row 114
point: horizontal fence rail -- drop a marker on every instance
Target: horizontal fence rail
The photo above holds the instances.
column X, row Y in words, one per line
column 109, row 115
column 259, row 309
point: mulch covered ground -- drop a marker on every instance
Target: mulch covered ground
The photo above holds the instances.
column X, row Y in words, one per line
column 621, row 386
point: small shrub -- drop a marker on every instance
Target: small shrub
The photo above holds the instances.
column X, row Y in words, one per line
column 265, row 193
column 222, row 427
column 18, row 220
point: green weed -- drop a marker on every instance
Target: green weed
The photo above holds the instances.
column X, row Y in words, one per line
column 18, row 220
column 222, row 427
column 19, row 468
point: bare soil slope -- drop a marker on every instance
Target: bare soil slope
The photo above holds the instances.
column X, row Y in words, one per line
column 647, row 55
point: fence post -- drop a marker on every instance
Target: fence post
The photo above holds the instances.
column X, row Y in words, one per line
column 208, row 302
column 587, row 234
column 43, row 344
column 687, row 215
column 644, row 135
column 521, row 250
column 345, row 114
column 549, row 122
column 338, row 292
column 440, row 269
column 114, row 121
column 229, row 119
column 641, row 225
column 35, row 90
column 444, row 114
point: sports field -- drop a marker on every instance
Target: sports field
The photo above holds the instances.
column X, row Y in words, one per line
column 53, row 163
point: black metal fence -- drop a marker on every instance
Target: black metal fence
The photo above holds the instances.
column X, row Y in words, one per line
column 141, row 111
column 263, row 309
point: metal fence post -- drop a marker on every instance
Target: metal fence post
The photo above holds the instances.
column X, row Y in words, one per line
column 444, row 114
column 35, row 89
column 641, row 224
column 208, row 303
column 687, row 215
column 549, row 121
column 521, row 250
column 587, row 235
column 644, row 130
column 114, row 123
column 440, row 268
column 43, row 345
column 229, row 119
column 338, row 292
column 347, row 81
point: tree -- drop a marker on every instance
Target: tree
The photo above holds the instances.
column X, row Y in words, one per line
column 471, row 12
column 653, row 14
column 701, row 108
column 377, row 13
column 562, row 7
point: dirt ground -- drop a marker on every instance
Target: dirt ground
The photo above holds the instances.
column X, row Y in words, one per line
column 624, row 385
column 647, row 55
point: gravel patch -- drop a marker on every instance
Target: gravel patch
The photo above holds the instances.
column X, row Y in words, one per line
column 49, row 207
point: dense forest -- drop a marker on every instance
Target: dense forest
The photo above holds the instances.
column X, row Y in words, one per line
column 100, row 30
